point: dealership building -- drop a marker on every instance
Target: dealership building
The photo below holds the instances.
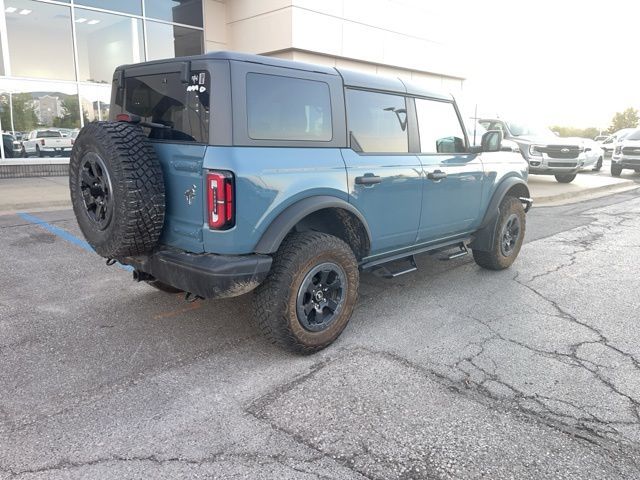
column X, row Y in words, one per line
column 57, row 56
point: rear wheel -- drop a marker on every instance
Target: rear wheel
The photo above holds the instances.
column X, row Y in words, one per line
column 616, row 170
column 565, row 178
column 508, row 237
column 308, row 298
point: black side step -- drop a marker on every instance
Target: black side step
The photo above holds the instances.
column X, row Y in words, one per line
column 463, row 250
column 383, row 271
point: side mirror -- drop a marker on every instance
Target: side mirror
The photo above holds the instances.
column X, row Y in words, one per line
column 491, row 141
column 587, row 149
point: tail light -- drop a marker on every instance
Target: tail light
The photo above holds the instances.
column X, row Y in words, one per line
column 42, row 142
column 220, row 196
column 72, row 141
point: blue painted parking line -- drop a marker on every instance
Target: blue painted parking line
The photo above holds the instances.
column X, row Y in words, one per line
column 64, row 235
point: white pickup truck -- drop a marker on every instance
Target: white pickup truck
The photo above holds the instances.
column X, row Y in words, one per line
column 48, row 142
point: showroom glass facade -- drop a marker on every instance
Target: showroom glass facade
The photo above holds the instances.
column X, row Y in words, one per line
column 57, row 57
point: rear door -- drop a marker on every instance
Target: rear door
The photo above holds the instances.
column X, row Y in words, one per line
column 384, row 179
column 453, row 178
column 176, row 96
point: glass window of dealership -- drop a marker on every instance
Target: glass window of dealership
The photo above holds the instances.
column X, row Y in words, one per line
column 57, row 57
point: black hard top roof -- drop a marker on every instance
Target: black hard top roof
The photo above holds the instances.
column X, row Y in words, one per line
column 350, row 77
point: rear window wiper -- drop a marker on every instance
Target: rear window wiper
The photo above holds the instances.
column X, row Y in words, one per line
column 137, row 120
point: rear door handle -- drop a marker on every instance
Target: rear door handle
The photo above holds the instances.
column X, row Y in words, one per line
column 436, row 175
column 368, row 180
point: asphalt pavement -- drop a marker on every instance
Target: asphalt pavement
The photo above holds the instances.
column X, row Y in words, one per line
column 450, row 372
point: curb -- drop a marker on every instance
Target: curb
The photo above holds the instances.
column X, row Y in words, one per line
column 573, row 197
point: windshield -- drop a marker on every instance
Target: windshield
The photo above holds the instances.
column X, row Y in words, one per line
column 520, row 129
column 634, row 135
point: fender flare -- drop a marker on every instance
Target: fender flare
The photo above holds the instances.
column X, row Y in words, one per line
column 484, row 236
column 290, row 216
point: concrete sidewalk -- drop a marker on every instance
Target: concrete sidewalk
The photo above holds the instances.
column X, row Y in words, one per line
column 43, row 193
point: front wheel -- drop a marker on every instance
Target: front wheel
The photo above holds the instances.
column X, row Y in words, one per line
column 616, row 170
column 308, row 298
column 565, row 178
column 598, row 165
column 508, row 238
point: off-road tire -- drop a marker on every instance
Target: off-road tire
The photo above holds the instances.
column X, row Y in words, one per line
column 565, row 178
column 616, row 170
column 494, row 258
column 137, row 197
column 163, row 287
column 275, row 300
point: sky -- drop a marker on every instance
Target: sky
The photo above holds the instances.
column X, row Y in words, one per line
column 562, row 62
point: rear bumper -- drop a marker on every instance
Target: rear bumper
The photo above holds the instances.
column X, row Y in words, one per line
column 206, row 275
column 55, row 149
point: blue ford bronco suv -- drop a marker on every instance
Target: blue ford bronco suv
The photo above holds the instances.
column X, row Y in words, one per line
column 227, row 173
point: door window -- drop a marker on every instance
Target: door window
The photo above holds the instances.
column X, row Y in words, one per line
column 378, row 121
column 439, row 127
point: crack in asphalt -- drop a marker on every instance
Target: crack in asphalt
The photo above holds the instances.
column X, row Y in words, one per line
column 587, row 421
column 473, row 391
column 216, row 457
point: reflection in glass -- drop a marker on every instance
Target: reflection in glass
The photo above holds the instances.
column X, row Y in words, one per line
column 27, row 106
column 188, row 12
column 168, row 41
column 1, row 59
column 105, row 41
column 40, row 43
column 95, row 100
column 126, row 6
column 378, row 121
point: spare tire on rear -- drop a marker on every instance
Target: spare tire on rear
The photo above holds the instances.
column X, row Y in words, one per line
column 117, row 189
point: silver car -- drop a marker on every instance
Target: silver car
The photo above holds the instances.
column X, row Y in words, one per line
column 626, row 154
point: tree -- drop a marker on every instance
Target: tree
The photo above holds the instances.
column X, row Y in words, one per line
column 70, row 107
column 24, row 116
column 589, row 132
column 627, row 119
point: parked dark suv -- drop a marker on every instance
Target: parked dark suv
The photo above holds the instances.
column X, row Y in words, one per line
column 226, row 173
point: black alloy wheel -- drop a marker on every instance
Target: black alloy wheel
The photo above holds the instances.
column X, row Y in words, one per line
column 97, row 191
column 321, row 296
column 510, row 235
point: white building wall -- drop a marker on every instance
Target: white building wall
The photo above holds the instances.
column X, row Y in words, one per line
column 404, row 38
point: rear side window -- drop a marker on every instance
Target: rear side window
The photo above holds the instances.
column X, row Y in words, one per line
column 289, row 109
column 182, row 108
column 378, row 121
column 439, row 127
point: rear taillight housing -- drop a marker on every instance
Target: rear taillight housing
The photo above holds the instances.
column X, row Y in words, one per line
column 220, row 197
column 42, row 142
